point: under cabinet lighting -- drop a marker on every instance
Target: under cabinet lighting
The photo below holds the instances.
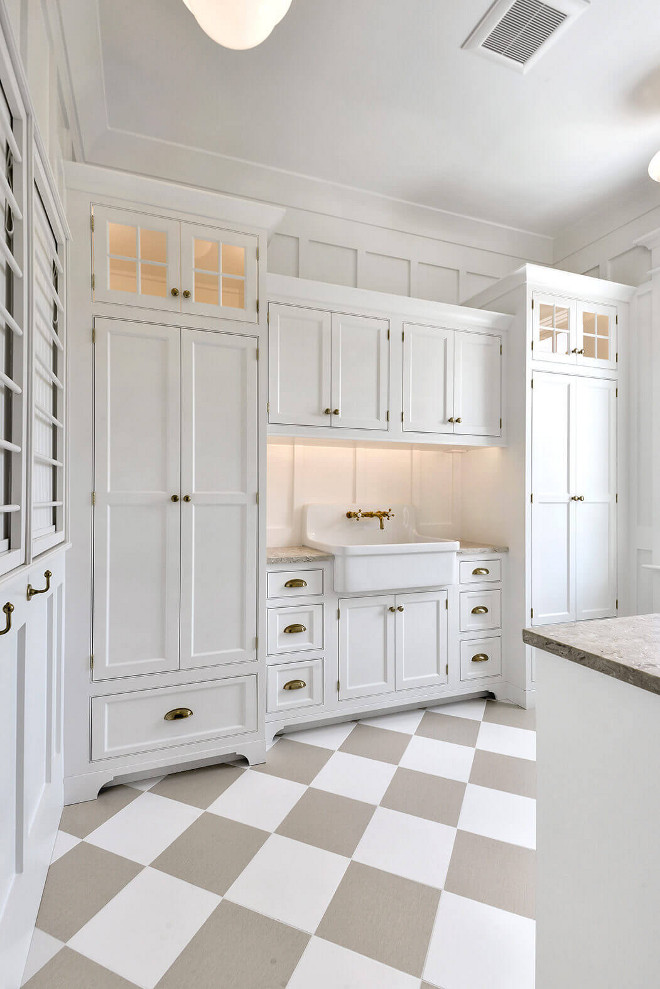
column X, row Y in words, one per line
column 238, row 24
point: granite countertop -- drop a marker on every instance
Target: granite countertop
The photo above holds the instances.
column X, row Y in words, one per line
column 468, row 546
column 295, row 554
column 625, row 648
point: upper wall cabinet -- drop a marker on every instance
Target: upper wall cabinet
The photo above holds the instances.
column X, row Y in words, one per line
column 566, row 331
column 154, row 262
column 327, row 369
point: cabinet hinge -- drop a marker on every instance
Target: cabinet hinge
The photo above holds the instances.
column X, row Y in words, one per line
column 257, row 497
column 402, row 417
column 388, row 334
column 337, row 686
column 93, row 497
column 532, row 303
column 388, row 415
column 531, row 498
column 532, row 385
column 257, row 254
column 532, row 345
column 500, row 422
column 500, row 350
column 91, row 222
column 531, row 612
column 617, row 499
column 617, row 604
column 93, row 282
column 93, row 335
column 257, row 307
column 257, row 353
column 447, row 604
column 338, row 614
column 91, row 662
column 617, row 319
column 403, row 334
column 256, row 642
column 447, row 669
column 616, row 393
column 617, row 357
column 268, row 407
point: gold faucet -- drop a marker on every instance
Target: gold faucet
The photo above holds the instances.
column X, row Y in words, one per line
column 380, row 515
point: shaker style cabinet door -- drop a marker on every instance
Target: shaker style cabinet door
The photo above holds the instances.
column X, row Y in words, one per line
column 421, row 639
column 136, row 523
column 299, row 368
column 360, row 372
column 478, row 384
column 136, row 259
column 366, row 646
column 218, row 272
column 219, row 498
column 428, row 379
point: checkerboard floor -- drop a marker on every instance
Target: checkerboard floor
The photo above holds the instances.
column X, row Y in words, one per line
column 395, row 853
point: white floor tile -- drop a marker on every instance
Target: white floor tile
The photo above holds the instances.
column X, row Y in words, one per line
column 64, row 842
column 507, row 741
column 43, row 947
column 407, row 846
column 326, row 736
column 404, row 721
column 289, row 881
column 475, row 945
column 140, row 932
column 463, row 709
column 353, row 776
column 427, row 755
column 329, row 966
column 144, row 828
column 500, row 815
column 145, row 784
column 258, row 799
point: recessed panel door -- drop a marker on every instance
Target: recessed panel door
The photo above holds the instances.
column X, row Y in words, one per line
column 428, row 379
column 478, row 384
column 553, row 472
column 366, row 646
column 218, row 272
column 421, row 639
column 299, row 366
column 595, row 485
column 136, row 523
column 360, row 372
column 219, row 499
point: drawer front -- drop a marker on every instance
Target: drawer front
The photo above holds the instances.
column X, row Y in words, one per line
column 295, row 685
column 479, row 571
column 136, row 722
column 295, row 629
column 294, row 583
column 481, row 658
column 480, row 610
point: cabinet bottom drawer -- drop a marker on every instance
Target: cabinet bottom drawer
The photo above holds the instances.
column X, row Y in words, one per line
column 154, row 719
column 481, row 658
column 293, row 685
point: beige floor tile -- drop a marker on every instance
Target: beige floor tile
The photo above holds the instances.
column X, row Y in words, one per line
column 492, row 872
column 446, row 728
column 82, row 819
column 327, row 821
column 69, row 970
column 376, row 743
column 78, row 885
column 294, row 761
column 499, row 713
column 237, row 949
column 198, row 787
column 504, row 772
column 423, row 795
column 211, row 853
column 382, row 916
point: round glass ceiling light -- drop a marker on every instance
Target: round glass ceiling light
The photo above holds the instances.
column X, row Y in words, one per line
column 654, row 167
column 238, row 24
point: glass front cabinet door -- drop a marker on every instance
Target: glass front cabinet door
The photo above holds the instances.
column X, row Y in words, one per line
column 155, row 262
column 566, row 331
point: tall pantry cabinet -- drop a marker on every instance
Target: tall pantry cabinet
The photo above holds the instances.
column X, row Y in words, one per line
column 165, row 660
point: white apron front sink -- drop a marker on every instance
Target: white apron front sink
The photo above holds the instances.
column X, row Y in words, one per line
column 368, row 558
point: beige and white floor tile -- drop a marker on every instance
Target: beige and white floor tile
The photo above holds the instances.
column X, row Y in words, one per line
column 43, row 947
column 376, row 743
column 147, row 784
column 82, row 819
column 408, row 846
column 328, row 821
column 499, row 713
column 517, row 742
column 64, row 842
column 294, row 761
column 259, row 800
column 431, row 797
column 141, row 932
column 403, row 721
column 500, row 815
column 504, row 772
column 325, row 965
column 356, row 777
column 493, row 872
column 326, row 736
column 461, row 731
column 198, row 787
column 289, row 881
column 476, row 946
column 472, row 708
column 69, row 970
column 426, row 755
column 144, row 828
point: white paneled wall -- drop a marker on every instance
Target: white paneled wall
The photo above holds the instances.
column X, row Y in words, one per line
column 372, row 475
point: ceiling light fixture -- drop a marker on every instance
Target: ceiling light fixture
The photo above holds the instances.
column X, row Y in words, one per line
column 238, row 24
column 654, row 167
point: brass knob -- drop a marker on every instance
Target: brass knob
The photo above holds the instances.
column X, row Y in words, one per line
column 574, row 350
column 178, row 714
column 451, row 419
column 400, row 608
column 459, row 420
column 174, row 292
column 31, row 591
column 581, row 351
column 294, row 685
column 480, row 657
column 186, row 293
column 174, row 498
column 392, row 608
column 335, row 412
column 327, row 412
column 294, row 629
column 187, row 498
column 480, row 572
column 580, row 498
column 296, row 582
column 481, row 609
column 8, row 609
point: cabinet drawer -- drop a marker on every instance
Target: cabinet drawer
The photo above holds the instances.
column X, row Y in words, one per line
column 479, row 571
column 481, row 658
column 295, row 685
column 294, row 629
column 136, row 722
column 480, row 610
column 295, row 583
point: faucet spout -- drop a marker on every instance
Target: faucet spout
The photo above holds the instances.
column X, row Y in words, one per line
column 381, row 515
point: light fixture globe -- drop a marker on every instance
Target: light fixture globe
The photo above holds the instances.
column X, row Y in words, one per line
column 654, row 167
column 238, row 24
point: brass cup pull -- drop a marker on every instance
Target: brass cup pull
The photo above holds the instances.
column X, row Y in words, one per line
column 481, row 657
column 481, row 609
column 480, row 572
column 296, row 582
column 294, row 685
column 294, row 629
column 400, row 608
column 31, row 591
column 451, row 419
column 178, row 714
column 459, row 420
column 186, row 498
column 174, row 498
column 7, row 608
column 327, row 412
column 186, row 294
column 335, row 412
column 174, row 292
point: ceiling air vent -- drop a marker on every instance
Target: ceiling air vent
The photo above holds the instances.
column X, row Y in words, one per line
column 517, row 32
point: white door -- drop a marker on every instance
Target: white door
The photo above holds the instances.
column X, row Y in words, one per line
column 219, row 498
column 595, row 485
column 554, row 331
column 136, row 522
column 478, row 384
column 12, row 741
column 136, row 259
column 299, row 366
column 421, row 639
column 596, row 335
column 360, row 372
column 366, row 646
column 553, row 471
column 218, row 272
column 428, row 379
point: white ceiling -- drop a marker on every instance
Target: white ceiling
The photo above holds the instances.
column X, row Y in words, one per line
column 378, row 95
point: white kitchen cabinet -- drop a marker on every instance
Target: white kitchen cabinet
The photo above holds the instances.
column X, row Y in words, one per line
column 478, row 384
column 421, row 639
column 360, row 369
column 366, row 646
column 574, row 332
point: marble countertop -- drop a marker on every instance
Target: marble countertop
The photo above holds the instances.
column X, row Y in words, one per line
column 625, row 648
column 305, row 554
column 468, row 546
